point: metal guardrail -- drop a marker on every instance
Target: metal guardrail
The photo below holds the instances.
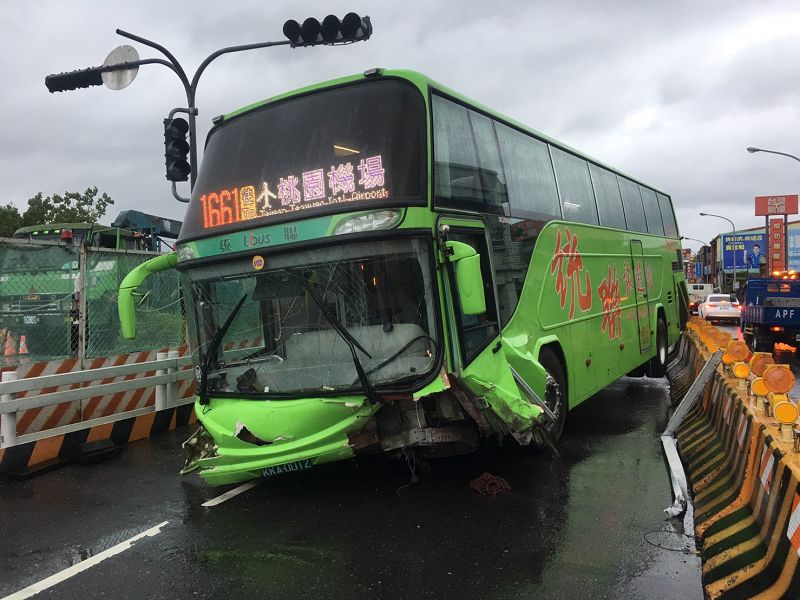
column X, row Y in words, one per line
column 680, row 486
column 168, row 369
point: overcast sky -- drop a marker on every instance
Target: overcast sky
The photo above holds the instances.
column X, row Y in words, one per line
column 669, row 92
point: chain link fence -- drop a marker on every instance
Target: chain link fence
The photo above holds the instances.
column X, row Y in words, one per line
column 59, row 300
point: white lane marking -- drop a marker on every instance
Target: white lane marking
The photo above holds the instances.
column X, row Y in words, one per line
column 44, row 584
column 232, row 493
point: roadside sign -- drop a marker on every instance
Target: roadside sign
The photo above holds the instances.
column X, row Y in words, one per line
column 777, row 245
column 776, row 205
column 748, row 250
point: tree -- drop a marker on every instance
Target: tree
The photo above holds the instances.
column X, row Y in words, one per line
column 72, row 207
column 10, row 220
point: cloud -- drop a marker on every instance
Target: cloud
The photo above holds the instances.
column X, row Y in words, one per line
column 671, row 93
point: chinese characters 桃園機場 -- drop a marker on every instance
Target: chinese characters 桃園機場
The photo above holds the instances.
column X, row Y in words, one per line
column 344, row 182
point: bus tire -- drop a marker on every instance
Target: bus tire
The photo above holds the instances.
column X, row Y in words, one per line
column 556, row 395
column 657, row 367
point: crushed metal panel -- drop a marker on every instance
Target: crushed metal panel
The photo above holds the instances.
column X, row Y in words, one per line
column 677, row 475
column 489, row 376
column 247, row 436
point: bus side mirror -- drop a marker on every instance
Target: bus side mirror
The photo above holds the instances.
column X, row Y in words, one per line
column 126, row 303
column 469, row 281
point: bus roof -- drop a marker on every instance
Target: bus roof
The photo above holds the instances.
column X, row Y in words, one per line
column 424, row 84
column 57, row 227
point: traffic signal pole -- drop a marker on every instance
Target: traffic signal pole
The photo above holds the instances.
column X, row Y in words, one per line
column 191, row 87
column 331, row 31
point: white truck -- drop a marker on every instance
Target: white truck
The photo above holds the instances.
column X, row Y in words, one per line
column 698, row 292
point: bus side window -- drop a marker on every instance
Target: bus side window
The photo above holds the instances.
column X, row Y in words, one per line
column 512, row 246
column 667, row 216
column 529, row 174
column 467, row 170
column 477, row 330
column 651, row 211
column 575, row 187
column 634, row 209
column 609, row 200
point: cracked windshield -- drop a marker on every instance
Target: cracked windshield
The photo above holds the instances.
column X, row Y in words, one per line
column 310, row 320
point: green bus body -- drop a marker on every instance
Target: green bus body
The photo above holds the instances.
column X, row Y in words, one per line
column 514, row 316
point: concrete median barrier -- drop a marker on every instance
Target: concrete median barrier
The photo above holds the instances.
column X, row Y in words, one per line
column 33, row 457
column 743, row 475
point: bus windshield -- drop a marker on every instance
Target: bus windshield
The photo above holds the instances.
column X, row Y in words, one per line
column 284, row 338
column 340, row 150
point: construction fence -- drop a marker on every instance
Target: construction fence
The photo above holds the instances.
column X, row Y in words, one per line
column 58, row 301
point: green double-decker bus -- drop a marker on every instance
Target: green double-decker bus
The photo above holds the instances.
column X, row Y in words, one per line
column 376, row 264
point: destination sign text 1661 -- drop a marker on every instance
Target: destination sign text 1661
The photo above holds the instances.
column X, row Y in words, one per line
column 312, row 189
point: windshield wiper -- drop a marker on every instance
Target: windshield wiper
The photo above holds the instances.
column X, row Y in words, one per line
column 348, row 338
column 211, row 350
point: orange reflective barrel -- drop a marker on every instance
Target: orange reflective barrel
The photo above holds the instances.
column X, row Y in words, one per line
column 779, row 378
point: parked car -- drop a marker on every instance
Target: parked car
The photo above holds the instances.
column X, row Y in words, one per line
column 720, row 307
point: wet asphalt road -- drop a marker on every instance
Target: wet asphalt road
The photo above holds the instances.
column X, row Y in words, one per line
column 586, row 524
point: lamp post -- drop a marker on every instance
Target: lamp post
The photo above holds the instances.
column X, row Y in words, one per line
column 733, row 227
column 702, row 245
column 753, row 150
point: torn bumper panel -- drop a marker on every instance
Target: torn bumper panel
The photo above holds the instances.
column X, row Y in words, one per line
column 252, row 437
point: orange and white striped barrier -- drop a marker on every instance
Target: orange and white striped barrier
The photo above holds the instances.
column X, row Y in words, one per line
column 36, row 427
column 48, row 417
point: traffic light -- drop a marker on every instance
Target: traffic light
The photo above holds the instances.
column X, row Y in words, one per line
column 176, row 149
column 332, row 30
column 73, row 80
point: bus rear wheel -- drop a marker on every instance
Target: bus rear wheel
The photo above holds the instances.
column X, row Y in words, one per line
column 657, row 367
column 555, row 397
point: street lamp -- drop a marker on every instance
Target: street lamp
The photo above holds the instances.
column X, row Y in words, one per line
column 753, row 150
column 702, row 245
column 123, row 63
column 735, row 272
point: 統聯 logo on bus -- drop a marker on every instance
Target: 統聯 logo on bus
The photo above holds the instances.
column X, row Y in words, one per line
column 311, row 189
column 568, row 280
column 608, row 290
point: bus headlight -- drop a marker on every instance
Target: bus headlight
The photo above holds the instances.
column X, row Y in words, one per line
column 186, row 253
column 371, row 221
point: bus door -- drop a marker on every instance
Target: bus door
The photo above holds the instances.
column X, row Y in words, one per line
column 478, row 352
column 642, row 301
column 474, row 332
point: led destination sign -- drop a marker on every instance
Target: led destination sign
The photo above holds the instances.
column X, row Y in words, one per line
column 335, row 150
column 343, row 182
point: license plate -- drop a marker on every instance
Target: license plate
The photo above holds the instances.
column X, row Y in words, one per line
column 298, row 465
column 30, row 319
column 797, row 337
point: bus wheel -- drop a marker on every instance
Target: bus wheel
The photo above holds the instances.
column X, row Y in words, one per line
column 657, row 366
column 555, row 397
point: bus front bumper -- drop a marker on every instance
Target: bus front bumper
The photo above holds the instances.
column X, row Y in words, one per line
column 250, row 439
